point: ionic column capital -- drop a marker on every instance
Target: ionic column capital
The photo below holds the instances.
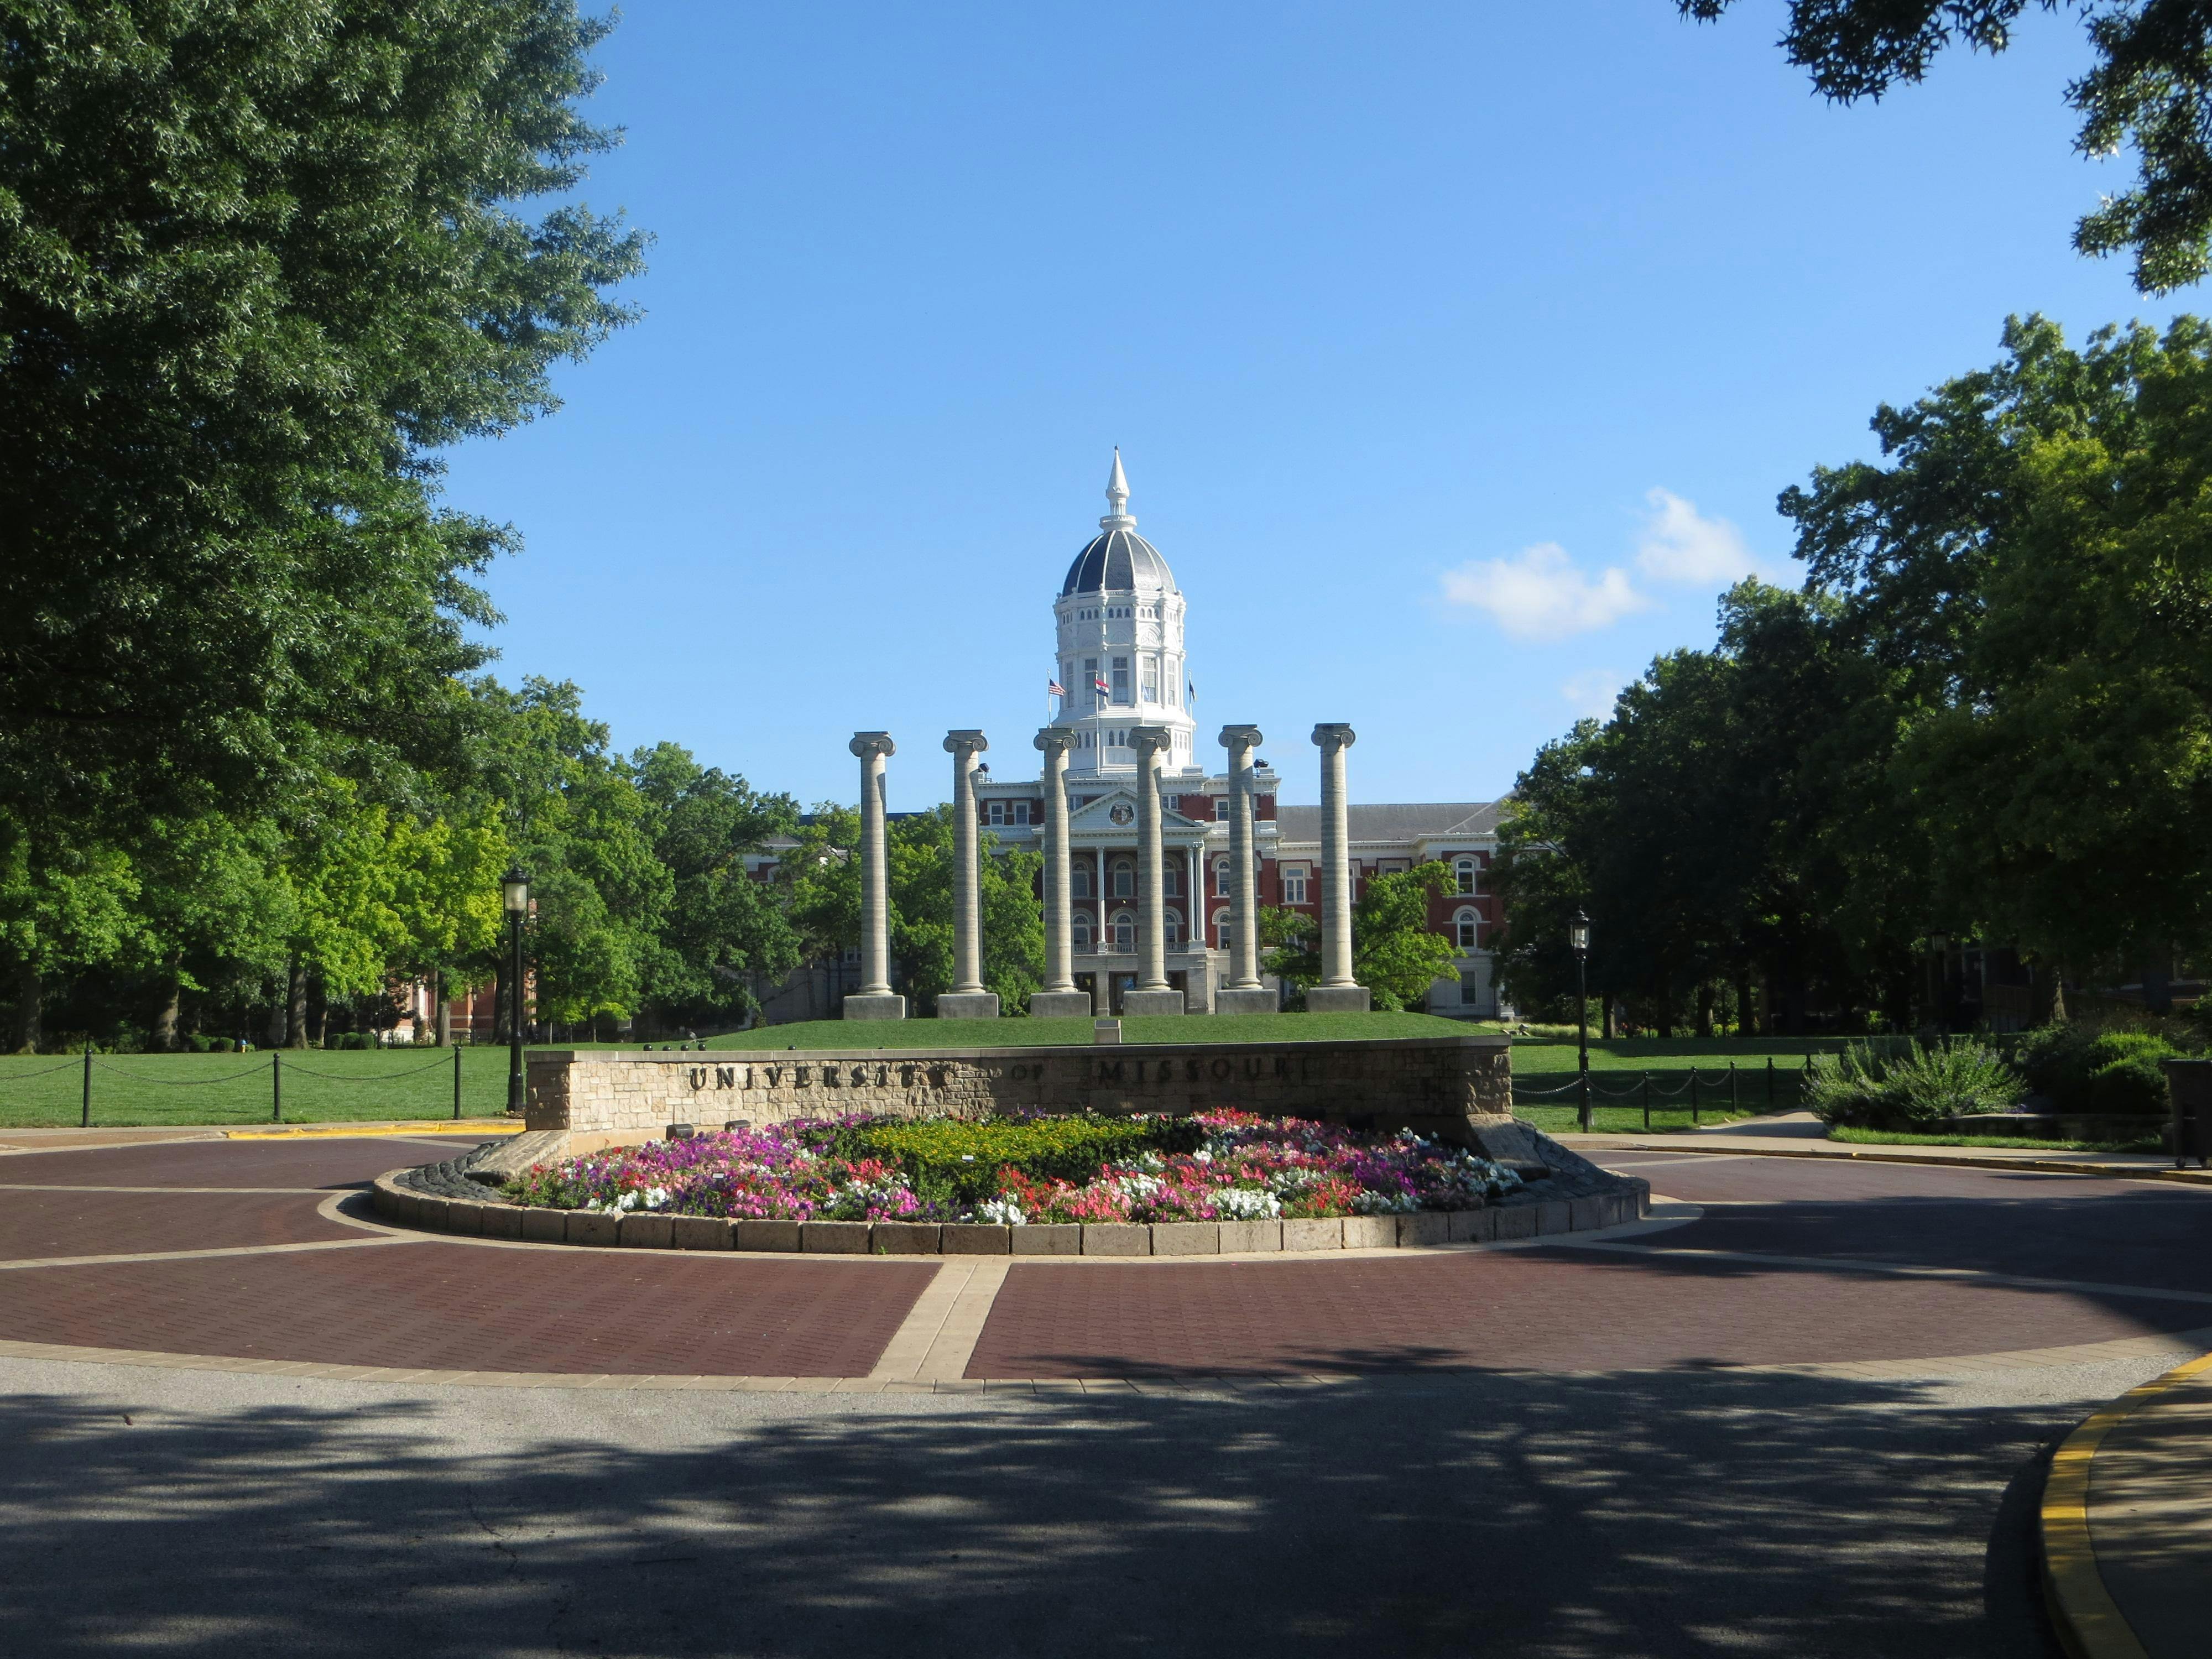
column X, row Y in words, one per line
column 966, row 741
column 1234, row 738
column 872, row 744
column 1334, row 736
column 1150, row 739
column 1055, row 739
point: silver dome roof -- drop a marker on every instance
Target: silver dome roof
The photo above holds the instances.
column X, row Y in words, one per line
column 1118, row 560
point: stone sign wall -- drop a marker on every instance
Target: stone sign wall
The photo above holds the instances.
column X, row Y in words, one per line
column 1435, row 1085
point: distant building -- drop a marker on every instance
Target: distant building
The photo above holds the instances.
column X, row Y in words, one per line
column 1118, row 622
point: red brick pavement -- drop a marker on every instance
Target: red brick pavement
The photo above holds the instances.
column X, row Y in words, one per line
column 34, row 1225
column 1543, row 1309
column 318, row 1162
column 449, row 1306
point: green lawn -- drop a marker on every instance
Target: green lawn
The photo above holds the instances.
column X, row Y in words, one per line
column 320, row 1087
column 1622, row 1119
column 1041, row 1033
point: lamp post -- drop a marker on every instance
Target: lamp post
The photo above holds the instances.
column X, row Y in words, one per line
column 515, row 886
column 1578, row 938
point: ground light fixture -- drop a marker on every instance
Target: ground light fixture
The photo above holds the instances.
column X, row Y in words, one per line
column 1579, row 939
column 514, row 891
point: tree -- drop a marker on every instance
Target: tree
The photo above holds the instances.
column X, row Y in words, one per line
column 580, row 823
column 824, row 878
column 2150, row 91
column 59, row 910
column 725, row 931
column 258, row 264
column 1394, row 952
column 2034, row 563
column 215, row 910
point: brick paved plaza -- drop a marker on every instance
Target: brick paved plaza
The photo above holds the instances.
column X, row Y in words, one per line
column 1801, row 1413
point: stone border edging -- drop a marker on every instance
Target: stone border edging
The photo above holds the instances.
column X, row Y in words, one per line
column 2089, row 1623
column 493, row 1218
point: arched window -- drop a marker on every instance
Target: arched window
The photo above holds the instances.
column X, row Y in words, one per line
column 1469, row 873
column 1078, row 883
column 1223, row 938
column 1125, row 931
column 1221, row 878
column 1171, row 928
column 1125, row 878
column 1081, row 932
column 1468, row 925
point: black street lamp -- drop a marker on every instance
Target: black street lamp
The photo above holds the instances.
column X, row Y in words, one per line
column 516, row 895
column 1578, row 938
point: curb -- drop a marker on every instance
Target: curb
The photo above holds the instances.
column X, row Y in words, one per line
column 403, row 1207
column 478, row 1127
column 2089, row 1623
column 2034, row 1165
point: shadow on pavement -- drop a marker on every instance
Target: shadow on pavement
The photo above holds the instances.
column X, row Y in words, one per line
column 1681, row 1513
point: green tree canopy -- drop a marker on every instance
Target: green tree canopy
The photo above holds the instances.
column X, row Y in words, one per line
column 2149, row 91
column 258, row 263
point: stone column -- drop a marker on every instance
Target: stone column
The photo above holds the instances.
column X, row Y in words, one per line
column 967, row 999
column 1058, row 999
column 1153, row 994
column 875, row 1000
column 1244, row 993
column 1337, row 993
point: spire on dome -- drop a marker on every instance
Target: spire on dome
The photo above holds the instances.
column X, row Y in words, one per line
column 1117, row 498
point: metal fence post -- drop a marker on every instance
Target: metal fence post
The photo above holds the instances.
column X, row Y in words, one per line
column 1694, row 1094
column 276, row 1086
column 457, row 1083
column 1731, row 1088
column 87, row 1120
column 1770, row 1083
column 1647, row 1103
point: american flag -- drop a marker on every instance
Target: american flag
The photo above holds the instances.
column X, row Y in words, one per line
column 1054, row 688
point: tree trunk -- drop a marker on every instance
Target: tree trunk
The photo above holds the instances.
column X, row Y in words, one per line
column 278, row 1010
column 1664, row 1008
column 2049, row 994
column 30, row 1009
column 499, row 988
column 1705, row 1008
column 1793, row 1003
column 1606, row 1016
column 295, row 1006
column 441, row 1011
column 166, row 1012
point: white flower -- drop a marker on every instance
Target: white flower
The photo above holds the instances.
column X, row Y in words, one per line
column 1243, row 1203
column 1000, row 1212
column 1202, row 1156
column 627, row 1201
column 657, row 1197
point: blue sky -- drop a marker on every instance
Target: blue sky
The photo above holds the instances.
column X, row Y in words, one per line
column 1456, row 353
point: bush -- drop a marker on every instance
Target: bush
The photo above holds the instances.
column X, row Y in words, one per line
column 2080, row 1069
column 958, row 1160
column 1889, row 1085
column 350, row 1040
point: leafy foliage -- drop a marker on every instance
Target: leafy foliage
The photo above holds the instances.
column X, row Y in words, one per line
column 2150, row 91
column 958, row 1160
column 1394, row 954
column 1893, row 1086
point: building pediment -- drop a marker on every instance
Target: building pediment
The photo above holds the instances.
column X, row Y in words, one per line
column 1114, row 814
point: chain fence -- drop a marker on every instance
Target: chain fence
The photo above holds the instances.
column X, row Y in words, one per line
column 1769, row 1088
column 135, row 1088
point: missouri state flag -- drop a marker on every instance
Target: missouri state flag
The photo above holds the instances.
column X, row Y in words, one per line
column 1098, row 684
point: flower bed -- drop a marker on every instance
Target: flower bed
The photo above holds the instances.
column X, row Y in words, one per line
column 1218, row 1166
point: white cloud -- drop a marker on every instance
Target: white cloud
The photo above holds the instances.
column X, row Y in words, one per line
column 1539, row 594
column 1678, row 543
column 1592, row 692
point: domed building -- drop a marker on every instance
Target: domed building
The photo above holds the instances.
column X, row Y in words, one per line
column 1120, row 662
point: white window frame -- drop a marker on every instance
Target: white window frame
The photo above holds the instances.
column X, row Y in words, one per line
column 1295, row 878
column 1468, row 870
column 1467, row 928
column 994, row 812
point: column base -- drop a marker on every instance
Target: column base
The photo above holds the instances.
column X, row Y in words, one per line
column 1137, row 1005
column 887, row 1007
column 1059, row 1004
column 1259, row 1000
column 967, row 1005
column 1339, row 1000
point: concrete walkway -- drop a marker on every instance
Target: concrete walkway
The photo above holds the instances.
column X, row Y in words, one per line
column 1800, row 1134
column 2127, row 1524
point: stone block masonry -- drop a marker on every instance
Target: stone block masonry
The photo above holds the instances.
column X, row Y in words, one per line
column 1448, row 1087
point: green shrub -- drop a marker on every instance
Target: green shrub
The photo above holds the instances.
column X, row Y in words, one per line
column 350, row 1040
column 1889, row 1085
column 2132, row 1083
column 955, row 1161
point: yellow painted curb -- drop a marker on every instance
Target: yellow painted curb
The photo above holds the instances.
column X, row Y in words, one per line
column 2089, row 1622
column 430, row 1126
